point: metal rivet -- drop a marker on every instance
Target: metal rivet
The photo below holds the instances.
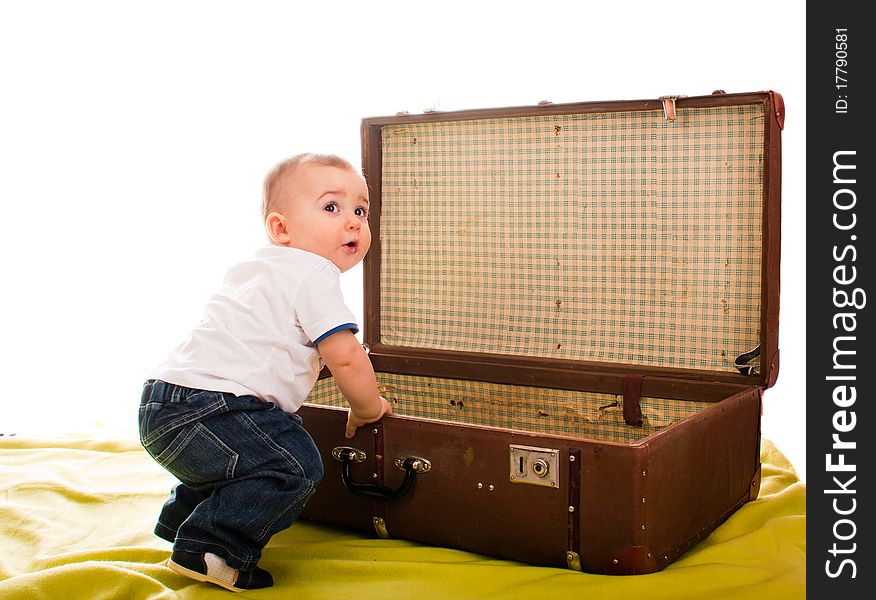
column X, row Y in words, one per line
column 643, row 500
column 644, row 473
column 643, row 528
column 480, row 485
column 649, row 555
column 571, row 458
column 614, row 561
column 374, row 431
column 571, row 509
column 374, row 476
column 492, row 487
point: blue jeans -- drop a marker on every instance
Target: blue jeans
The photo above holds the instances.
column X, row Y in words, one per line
column 246, row 469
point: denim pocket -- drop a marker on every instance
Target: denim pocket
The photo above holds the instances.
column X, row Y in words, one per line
column 173, row 408
column 196, row 455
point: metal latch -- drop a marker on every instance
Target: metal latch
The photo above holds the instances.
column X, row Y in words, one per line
column 536, row 466
column 669, row 106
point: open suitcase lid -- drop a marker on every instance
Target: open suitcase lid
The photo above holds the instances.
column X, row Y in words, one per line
column 573, row 245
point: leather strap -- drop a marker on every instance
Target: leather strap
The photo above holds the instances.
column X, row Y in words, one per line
column 632, row 398
column 741, row 362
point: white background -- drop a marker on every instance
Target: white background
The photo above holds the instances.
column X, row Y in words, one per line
column 134, row 137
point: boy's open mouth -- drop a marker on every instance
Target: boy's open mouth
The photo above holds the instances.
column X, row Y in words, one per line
column 353, row 245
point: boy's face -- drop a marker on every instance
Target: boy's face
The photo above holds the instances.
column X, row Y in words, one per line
column 327, row 213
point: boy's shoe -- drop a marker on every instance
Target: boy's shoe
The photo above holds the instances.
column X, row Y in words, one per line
column 213, row 569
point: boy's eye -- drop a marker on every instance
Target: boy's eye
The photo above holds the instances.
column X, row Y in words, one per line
column 331, row 207
column 361, row 212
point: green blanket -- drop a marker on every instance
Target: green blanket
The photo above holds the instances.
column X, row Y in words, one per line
column 76, row 518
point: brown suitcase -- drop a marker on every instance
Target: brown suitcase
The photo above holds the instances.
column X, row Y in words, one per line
column 573, row 309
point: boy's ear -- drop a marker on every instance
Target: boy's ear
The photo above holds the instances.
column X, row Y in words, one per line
column 275, row 223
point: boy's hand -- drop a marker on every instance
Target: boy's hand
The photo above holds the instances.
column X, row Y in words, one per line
column 354, row 422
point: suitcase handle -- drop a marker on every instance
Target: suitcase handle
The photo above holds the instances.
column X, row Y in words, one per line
column 411, row 465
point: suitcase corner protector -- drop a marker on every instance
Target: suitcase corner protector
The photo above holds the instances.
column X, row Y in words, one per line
column 380, row 528
column 633, row 560
column 754, row 489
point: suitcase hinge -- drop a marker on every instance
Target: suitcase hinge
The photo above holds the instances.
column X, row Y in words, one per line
column 669, row 107
column 573, row 561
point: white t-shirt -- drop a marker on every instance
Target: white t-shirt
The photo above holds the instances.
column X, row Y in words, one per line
column 259, row 331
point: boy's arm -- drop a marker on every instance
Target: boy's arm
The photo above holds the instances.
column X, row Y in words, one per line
column 354, row 375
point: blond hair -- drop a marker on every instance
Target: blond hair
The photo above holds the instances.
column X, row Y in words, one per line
column 276, row 186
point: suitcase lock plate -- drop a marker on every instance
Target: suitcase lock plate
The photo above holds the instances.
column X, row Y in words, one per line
column 535, row 466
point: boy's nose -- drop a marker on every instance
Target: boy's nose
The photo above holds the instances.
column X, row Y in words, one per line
column 353, row 223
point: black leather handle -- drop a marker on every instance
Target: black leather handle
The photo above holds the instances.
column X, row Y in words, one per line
column 410, row 465
column 747, row 357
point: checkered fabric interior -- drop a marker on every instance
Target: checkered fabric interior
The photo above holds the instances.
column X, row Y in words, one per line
column 613, row 237
column 585, row 415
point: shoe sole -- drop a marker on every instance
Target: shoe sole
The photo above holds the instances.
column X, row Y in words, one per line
column 200, row 576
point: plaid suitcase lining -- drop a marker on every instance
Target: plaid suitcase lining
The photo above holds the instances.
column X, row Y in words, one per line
column 610, row 237
column 541, row 410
